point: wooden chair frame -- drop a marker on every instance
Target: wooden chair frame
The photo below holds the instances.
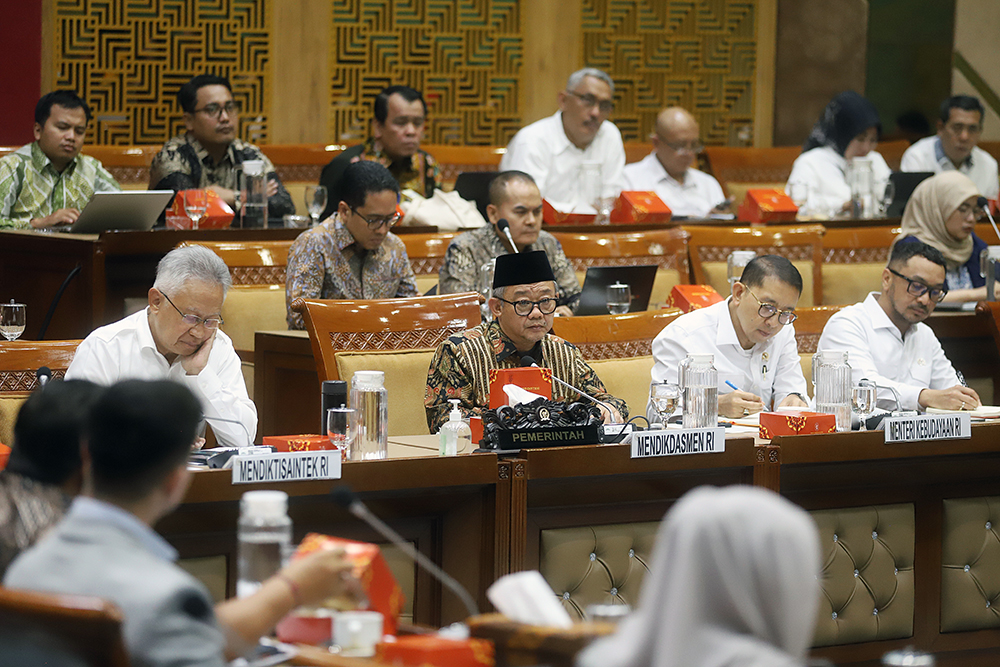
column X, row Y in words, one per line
column 20, row 360
column 615, row 336
column 667, row 248
column 809, row 326
column 251, row 263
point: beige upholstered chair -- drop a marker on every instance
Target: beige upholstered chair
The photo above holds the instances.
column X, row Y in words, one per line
column 19, row 361
column 426, row 253
column 739, row 169
column 853, row 259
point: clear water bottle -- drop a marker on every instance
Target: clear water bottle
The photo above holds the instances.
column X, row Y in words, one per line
column 264, row 539
column 253, row 195
column 862, row 181
column 832, row 386
column 370, row 402
column 700, row 389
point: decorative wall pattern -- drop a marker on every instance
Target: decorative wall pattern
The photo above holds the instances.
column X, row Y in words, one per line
column 698, row 54
column 464, row 55
column 128, row 58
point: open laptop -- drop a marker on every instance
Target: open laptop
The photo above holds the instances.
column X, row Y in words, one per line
column 903, row 183
column 594, row 297
column 128, row 209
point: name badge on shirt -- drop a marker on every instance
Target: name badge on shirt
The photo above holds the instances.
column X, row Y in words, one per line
column 956, row 426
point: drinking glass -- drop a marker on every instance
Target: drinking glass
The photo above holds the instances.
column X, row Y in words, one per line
column 665, row 396
column 604, row 206
column 863, row 398
column 12, row 316
column 619, row 298
column 887, row 196
column 195, row 206
column 340, row 429
column 315, row 201
column 799, row 194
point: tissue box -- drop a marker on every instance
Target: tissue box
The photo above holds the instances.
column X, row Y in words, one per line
column 761, row 206
column 298, row 443
column 691, row 297
column 218, row 215
column 553, row 216
column 536, row 380
column 420, row 650
column 380, row 587
column 635, row 206
column 773, row 424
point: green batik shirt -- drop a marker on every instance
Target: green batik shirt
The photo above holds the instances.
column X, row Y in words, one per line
column 30, row 187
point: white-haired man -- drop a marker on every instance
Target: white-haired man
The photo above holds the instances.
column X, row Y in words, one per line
column 556, row 150
column 177, row 337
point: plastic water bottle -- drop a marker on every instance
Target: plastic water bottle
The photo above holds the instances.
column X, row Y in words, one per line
column 264, row 539
column 370, row 402
column 455, row 435
column 832, row 386
column 700, row 388
column 254, row 195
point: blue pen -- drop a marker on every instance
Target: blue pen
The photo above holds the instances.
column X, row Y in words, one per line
column 734, row 387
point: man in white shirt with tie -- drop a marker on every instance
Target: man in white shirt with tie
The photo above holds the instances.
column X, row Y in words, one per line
column 668, row 170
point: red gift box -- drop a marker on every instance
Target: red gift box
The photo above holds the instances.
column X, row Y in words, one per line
column 536, row 380
column 692, row 297
column 636, row 206
column 762, row 206
column 553, row 216
column 298, row 443
column 217, row 216
column 773, row 424
column 420, row 650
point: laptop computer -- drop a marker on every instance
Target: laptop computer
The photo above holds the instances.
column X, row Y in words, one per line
column 903, row 183
column 128, row 209
column 594, row 296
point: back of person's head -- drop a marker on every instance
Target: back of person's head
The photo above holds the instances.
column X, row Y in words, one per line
column 498, row 186
column 187, row 95
column 902, row 251
column 138, row 433
column 963, row 102
column 363, row 178
column 49, row 429
column 578, row 76
column 381, row 104
column 67, row 99
column 187, row 263
column 777, row 266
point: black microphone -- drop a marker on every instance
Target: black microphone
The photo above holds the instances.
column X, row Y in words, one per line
column 346, row 498
column 231, row 421
column 43, row 374
column 504, row 227
column 527, row 362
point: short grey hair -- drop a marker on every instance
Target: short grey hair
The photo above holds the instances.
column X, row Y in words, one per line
column 578, row 76
column 191, row 262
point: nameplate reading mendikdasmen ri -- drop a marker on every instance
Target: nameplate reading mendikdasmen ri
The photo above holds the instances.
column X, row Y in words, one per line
column 673, row 442
column 954, row 426
column 286, row 467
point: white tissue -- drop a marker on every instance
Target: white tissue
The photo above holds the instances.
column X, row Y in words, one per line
column 526, row 597
column 516, row 395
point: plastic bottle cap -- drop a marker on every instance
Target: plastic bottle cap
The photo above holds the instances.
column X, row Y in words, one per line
column 370, row 378
column 832, row 355
column 702, row 358
column 264, row 504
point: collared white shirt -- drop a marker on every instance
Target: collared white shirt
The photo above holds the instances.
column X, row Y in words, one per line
column 125, row 350
column 928, row 155
column 694, row 198
column 543, row 150
column 824, row 170
column 769, row 369
column 876, row 350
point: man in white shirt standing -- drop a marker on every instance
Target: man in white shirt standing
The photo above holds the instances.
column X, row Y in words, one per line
column 954, row 146
column 887, row 342
column 668, row 171
column 177, row 337
column 754, row 350
column 557, row 150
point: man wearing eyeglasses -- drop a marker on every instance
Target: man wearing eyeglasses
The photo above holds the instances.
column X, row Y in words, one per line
column 556, row 150
column 352, row 254
column 209, row 154
column 751, row 338
column 887, row 341
column 668, row 170
column 522, row 306
column 178, row 337
column 955, row 146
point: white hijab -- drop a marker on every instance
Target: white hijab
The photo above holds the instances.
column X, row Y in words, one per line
column 733, row 582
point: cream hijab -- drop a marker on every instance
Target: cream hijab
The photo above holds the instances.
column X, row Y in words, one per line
column 733, row 583
column 932, row 203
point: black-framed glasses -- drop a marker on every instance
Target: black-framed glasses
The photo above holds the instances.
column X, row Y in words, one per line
column 692, row 148
column 767, row 310
column 377, row 223
column 589, row 101
column 215, row 110
column 194, row 320
column 523, row 307
column 918, row 289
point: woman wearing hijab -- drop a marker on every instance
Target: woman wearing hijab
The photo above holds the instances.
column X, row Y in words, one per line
column 733, row 583
column 848, row 128
column 942, row 212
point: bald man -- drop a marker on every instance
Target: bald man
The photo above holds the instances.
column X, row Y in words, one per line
column 667, row 170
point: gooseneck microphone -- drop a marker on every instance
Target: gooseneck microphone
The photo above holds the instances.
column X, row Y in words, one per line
column 231, row 421
column 984, row 204
column 43, row 375
column 504, row 228
column 346, row 498
column 529, row 362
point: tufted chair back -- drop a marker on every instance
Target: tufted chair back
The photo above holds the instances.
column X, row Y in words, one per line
column 970, row 561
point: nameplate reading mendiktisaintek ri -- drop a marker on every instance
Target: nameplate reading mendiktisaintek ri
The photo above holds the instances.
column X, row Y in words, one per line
column 286, row 467
column 955, row 426
column 676, row 442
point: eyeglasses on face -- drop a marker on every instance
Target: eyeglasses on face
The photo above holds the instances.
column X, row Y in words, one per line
column 377, row 223
column 589, row 101
column 918, row 289
column 215, row 110
column 523, row 307
column 194, row 320
column 692, row 148
column 977, row 213
column 767, row 310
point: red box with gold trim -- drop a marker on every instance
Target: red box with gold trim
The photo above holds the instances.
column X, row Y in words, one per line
column 773, row 424
column 763, row 206
column 536, row 380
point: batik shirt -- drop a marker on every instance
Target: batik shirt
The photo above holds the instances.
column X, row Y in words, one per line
column 326, row 263
column 27, row 509
column 461, row 369
column 184, row 164
column 30, row 187
column 463, row 262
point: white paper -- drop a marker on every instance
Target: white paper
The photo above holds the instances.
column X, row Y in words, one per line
column 517, row 395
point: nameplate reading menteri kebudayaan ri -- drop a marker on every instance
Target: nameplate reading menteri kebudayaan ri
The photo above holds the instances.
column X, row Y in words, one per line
column 954, row 426
column 286, row 467
column 676, row 442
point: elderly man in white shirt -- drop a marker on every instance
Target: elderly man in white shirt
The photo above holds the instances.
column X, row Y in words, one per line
column 667, row 171
column 557, row 150
column 754, row 349
column 177, row 337
column 887, row 342
column 954, row 146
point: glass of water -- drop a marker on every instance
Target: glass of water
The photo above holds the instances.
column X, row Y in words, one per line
column 340, row 429
column 619, row 298
column 195, row 206
column 863, row 398
column 665, row 396
column 315, row 201
column 12, row 318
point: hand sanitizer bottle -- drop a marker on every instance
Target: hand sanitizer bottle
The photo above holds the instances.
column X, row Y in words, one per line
column 455, row 435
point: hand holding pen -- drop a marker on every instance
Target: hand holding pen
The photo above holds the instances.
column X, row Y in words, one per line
column 738, row 403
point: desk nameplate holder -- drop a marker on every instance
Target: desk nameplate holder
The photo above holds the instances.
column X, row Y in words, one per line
column 921, row 428
column 286, row 466
column 674, row 442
